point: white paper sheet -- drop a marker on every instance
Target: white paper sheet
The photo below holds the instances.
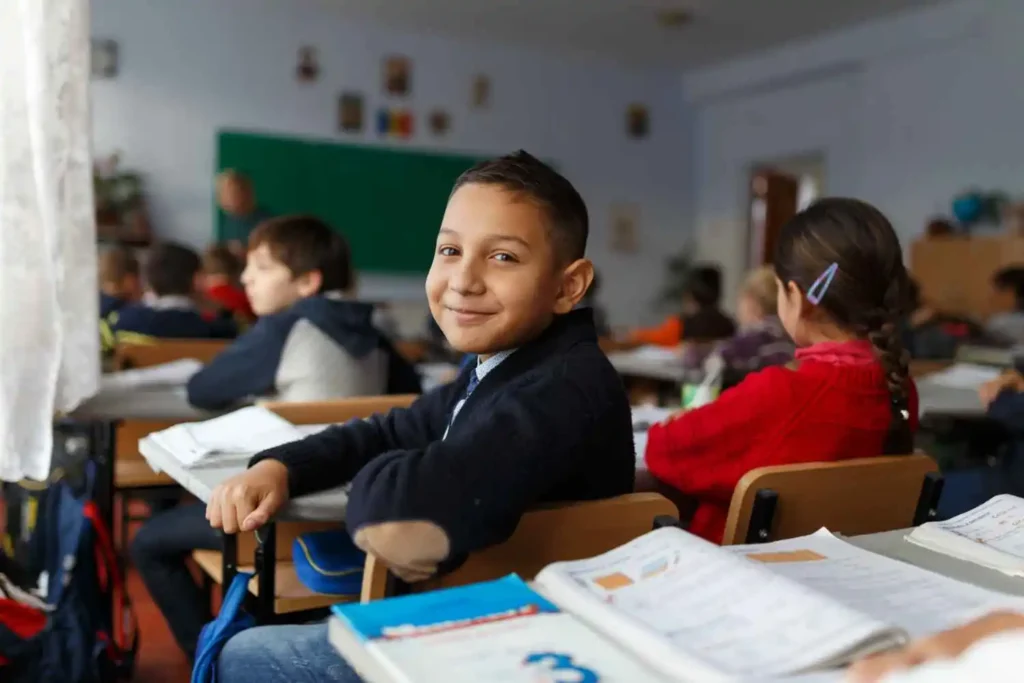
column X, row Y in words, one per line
column 991, row 535
column 964, row 376
column 918, row 601
column 241, row 433
column 173, row 374
column 683, row 603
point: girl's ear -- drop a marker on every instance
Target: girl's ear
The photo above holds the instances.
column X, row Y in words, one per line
column 797, row 297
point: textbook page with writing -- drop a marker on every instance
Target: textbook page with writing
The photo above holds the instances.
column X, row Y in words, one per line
column 913, row 599
column 991, row 535
column 687, row 609
column 679, row 602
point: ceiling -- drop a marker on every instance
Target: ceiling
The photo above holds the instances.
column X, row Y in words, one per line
column 628, row 30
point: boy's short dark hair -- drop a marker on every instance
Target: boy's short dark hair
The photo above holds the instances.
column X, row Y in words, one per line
column 117, row 263
column 171, row 270
column 218, row 259
column 1011, row 279
column 526, row 175
column 705, row 286
column 305, row 244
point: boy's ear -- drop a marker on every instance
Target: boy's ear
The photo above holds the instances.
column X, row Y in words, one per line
column 310, row 283
column 576, row 279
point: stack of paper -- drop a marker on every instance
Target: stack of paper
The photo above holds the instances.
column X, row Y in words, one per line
column 991, row 535
column 240, row 435
column 167, row 375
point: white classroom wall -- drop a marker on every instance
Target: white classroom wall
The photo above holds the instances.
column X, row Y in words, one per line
column 908, row 110
column 191, row 67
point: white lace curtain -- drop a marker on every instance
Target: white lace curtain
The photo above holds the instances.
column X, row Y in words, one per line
column 49, row 345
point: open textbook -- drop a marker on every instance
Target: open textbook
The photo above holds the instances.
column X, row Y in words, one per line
column 240, row 434
column 991, row 535
column 677, row 607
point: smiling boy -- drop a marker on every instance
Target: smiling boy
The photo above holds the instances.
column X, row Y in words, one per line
column 541, row 417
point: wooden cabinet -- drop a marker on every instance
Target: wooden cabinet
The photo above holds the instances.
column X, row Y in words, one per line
column 955, row 272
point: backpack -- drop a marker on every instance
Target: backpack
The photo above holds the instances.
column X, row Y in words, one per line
column 58, row 545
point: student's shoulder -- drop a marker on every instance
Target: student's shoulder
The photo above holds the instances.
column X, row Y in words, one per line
column 581, row 367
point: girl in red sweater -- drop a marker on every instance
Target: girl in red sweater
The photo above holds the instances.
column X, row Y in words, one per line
column 842, row 292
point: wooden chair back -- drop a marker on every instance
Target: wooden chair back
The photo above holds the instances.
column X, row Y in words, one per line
column 572, row 531
column 134, row 355
column 337, row 411
column 851, row 497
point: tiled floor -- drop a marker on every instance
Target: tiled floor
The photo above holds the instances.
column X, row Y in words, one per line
column 160, row 660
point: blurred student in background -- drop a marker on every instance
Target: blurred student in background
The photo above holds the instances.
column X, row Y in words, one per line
column 761, row 340
column 701, row 319
column 237, row 200
column 120, row 280
column 221, row 272
column 1007, row 322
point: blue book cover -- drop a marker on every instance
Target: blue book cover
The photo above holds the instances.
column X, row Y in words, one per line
column 499, row 631
column 436, row 611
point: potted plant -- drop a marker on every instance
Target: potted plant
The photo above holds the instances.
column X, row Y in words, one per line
column 121, row 214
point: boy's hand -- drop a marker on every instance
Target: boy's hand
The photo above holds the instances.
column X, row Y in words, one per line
column 989, row 391
column 248, row 500
column 945, row 645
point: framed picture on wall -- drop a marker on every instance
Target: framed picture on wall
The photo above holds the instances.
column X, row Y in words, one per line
column 638, row 123
column 625, row 225
column 307, row 69
column 104, row 55
column 350, row 112
column 397, row 76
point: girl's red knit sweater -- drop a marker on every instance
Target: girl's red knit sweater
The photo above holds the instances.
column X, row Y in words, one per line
column 833, row 406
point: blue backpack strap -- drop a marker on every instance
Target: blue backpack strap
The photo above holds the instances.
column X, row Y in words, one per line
column 229, row 621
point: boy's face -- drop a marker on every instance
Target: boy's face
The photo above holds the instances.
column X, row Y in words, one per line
column 269, row 284
column 496, row 280
column 233, row 196
column 1004, row 300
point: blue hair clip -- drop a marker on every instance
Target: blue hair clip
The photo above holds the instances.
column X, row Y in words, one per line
column 820, row 286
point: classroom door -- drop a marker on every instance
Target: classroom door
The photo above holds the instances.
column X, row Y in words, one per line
column 773, row 201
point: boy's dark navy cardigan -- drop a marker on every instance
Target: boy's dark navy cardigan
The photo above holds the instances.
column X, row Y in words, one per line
column 550, row 423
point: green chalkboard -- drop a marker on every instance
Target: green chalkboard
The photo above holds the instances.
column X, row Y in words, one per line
column 387, row 202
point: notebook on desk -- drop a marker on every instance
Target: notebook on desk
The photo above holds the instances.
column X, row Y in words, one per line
column 990, row 535
column 667, row 606
column 239, row 434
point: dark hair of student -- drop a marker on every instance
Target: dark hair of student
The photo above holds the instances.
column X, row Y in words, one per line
column 534, row 180
column 868, row 294
column 218, row 259
column 171, row 269
column 306, row 244
column 705, row 286
column 117, row 263
column 1011, row 279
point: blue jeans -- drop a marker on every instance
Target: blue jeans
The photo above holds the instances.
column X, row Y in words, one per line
column 159, row 552
column 283, row 654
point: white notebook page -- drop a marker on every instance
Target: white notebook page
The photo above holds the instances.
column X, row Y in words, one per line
column 714, row 615
column 918, row 601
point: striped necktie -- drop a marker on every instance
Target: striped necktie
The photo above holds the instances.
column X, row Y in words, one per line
column 474, row 380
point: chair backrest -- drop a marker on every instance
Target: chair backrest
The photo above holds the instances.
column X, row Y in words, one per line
column 127, row 356
column 338, row 410
column 571, row 531
column 851, row 497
